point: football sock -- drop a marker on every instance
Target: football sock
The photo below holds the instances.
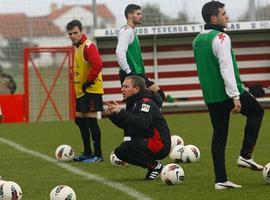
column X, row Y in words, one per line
column 85, row 133
column 96, row 135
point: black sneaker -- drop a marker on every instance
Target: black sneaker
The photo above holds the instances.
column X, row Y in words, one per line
column 153, row 173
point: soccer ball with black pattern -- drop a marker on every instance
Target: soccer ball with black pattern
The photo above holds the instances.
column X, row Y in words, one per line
column 176, row 153
column 10, row 190
column 116, row 161
column 62, row 192
column 190, row 153
column 172, row 174
column 176, row 140
column 64, row 153
column 266, row 173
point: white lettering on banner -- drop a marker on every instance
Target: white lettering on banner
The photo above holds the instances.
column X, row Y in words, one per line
column 189, row 28
column 265, row 24
column 110, row 32
column 233, row 26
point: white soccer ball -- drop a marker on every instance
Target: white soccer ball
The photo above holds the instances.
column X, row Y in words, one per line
column 176, row 153
column 10, row 190
column 266, row 173
column 172, row 174
column 62, row 192
column 116, row 161
column 191, row 153
column 176, row 140
column 64, row 153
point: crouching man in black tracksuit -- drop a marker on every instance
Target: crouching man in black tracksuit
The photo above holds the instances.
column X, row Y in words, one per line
column 147, row 136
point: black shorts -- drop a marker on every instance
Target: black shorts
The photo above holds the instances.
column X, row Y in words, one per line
column 148, row 81
column 89, row 103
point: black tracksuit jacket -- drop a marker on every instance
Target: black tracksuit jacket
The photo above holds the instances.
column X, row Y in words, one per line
column 143, row 119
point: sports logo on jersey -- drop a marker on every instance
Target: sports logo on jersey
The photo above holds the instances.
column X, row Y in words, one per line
column 221, row 36
column 145, row 108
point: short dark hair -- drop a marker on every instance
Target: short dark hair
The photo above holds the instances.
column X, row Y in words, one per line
column 137, row 81
column 131, row 8
column 211, row 8
column 73, row 24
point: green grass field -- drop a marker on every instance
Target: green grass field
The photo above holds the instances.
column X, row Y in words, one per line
column 37, row 175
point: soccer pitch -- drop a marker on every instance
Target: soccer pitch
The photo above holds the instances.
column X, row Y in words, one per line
column 27, row 157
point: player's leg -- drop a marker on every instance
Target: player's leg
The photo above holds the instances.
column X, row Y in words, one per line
column 96, row 135
column 131, row 152
column 220, row 116
column 81, row 122
column 92, row 104
column 135, row 152
column 254, row 113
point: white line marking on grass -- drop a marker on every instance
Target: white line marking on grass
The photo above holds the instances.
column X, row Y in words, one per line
column 115, row 185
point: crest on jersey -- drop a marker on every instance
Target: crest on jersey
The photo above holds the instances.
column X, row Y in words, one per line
column 221, row 36
column 145, row 108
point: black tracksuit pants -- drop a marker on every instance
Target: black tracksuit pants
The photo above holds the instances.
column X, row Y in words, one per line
column 220, row 117
column 137, row 153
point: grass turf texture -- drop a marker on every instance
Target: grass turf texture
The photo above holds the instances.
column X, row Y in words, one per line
column 38, row 177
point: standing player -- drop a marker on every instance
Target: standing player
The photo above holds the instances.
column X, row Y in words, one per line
column 223, row 92
column 89, row 89
column 128, row 50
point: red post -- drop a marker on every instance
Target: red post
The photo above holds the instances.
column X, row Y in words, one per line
column 26, row 83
